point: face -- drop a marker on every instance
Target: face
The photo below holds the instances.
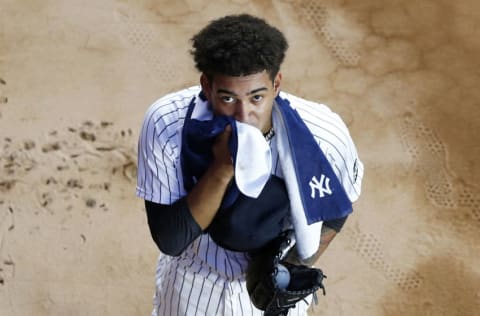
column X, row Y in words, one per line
column 248, row 99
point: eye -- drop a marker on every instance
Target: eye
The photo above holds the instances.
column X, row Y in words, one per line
column 257, row 98
column 227, row 99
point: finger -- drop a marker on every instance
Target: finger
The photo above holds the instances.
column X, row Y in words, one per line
column 228, row 129
column 225, row 135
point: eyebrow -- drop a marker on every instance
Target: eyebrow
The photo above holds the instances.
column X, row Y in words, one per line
column 234, row 94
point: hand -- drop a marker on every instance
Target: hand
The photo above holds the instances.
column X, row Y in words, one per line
column 222, row 158
column 205, row 198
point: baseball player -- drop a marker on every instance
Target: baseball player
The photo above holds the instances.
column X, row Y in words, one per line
column 205, row 228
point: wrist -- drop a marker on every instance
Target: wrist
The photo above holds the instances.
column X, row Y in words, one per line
column 222, row 172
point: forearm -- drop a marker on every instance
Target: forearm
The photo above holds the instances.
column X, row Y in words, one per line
column 329, row 230
column 326, row 236
column 206, row 196
column 174, row 227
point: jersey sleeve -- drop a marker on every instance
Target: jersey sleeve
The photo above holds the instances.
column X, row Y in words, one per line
column 159, row 175
column 344, row 159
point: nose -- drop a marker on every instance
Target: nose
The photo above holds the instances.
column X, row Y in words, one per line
column 242, row 110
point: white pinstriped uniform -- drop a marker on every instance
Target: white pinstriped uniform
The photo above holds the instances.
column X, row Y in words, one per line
column 207, row 279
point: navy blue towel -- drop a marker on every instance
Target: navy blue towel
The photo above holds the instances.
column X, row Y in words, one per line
column 196, row 153
column 323, row 196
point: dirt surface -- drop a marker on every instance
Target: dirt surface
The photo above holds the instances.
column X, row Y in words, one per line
column 76, row 78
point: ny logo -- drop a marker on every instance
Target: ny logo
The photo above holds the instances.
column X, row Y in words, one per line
column 323, row 186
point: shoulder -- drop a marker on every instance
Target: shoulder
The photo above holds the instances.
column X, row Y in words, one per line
column 163, row 121
column 171, row 107
column 317, row 116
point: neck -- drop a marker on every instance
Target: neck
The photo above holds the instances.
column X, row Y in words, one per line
column 269, row 134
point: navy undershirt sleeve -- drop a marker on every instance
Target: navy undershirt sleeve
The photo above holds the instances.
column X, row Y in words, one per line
column 172, row 226
column 336, row 224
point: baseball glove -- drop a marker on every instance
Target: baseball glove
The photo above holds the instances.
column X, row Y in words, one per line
column 276, row 286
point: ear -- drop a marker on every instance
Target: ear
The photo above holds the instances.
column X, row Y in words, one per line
column 277, row 82
column 206, row 86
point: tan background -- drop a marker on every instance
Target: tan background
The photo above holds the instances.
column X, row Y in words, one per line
column 77, row 77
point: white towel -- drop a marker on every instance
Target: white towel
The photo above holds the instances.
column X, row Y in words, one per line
column 307, row 236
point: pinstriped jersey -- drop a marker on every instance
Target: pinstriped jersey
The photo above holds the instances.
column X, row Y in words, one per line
column 160, row 180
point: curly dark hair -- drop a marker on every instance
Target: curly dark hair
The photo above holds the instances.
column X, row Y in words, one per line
column 238, row 45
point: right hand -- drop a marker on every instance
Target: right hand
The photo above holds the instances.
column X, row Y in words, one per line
column 205, row 198
column 222, row 158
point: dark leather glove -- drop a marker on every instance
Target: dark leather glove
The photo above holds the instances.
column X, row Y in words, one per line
column 275, row 286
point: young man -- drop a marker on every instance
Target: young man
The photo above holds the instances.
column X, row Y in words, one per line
column 192, row 168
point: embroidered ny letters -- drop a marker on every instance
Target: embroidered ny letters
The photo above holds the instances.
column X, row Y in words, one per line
column 323, row 186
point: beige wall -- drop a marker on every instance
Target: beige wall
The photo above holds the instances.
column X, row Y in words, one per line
column 77, row 77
